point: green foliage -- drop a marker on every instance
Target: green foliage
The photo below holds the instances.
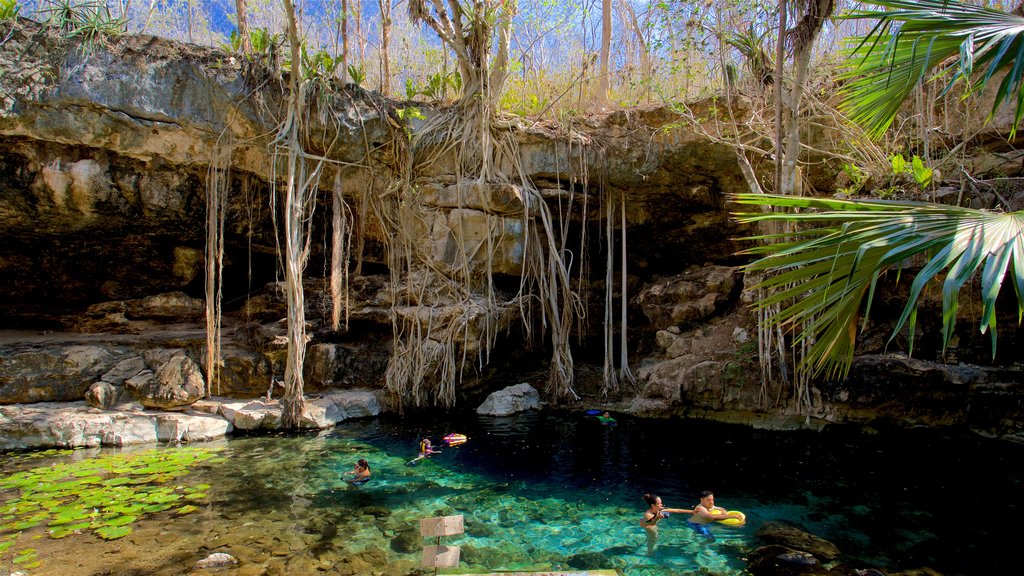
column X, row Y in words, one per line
column 89, row 20
column 263, row 42
column 751, row 44
column 921, row 174
column 438, row 85
column 9, row 10
column 820, row 276
column 857, row 176
column 357, row 74
column 106, row 494
column 410, row 89
column 919, row 40
column 319, row 67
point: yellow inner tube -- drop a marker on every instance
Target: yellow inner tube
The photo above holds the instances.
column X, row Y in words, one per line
column 736, row 518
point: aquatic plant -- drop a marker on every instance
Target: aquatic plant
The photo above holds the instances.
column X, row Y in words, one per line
column 106, row 494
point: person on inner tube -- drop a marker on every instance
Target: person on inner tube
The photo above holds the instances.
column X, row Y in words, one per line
column 653, row 515
column 705, row 513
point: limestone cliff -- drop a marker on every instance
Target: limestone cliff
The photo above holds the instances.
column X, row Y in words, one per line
column 105, row 162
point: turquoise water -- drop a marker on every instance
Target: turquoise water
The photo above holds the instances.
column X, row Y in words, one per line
column 562, row 492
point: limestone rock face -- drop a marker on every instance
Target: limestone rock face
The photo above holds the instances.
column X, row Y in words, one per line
column 176, row 383
column 694, row 296
column 74, row 424
column 53, row 373
column 511, row 400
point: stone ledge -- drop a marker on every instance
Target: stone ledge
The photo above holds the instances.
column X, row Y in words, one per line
column 78, row 425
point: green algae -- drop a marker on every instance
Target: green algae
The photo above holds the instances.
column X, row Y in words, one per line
column 105, row 495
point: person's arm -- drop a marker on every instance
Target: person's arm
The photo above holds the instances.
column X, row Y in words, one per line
column 677, row 510
column 716, row 513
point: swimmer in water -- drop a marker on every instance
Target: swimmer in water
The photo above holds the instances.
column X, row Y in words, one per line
column 426, row 449
column 653, row 515
column 360, row 474
column 705, row 513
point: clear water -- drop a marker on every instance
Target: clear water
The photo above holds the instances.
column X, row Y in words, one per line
column 559, row 491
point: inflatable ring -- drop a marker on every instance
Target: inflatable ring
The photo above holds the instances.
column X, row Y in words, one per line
column 455, row 439
column 736, row 518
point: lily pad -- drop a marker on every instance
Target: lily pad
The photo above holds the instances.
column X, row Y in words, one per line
column 26, row 555
column 120, row 521
column 113, row 532
column 186, row 509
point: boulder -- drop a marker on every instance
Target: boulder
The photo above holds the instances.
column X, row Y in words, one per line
column 104, row 395
column 798, row 539
column 518, row 398
column 777, row 560
column 176, row 383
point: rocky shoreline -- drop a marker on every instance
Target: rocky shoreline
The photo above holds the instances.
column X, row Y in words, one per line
column 78, row 425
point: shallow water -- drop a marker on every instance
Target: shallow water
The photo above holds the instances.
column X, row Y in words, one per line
column 561, row 492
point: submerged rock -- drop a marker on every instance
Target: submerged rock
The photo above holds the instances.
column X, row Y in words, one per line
column 216, row 560
column 797, row 539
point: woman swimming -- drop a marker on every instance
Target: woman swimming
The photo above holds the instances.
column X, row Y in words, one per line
column 653, row 515
column 360, row 474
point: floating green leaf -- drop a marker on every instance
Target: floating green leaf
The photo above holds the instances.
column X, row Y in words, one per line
column 120, row 521
column 113, row 532
column 68, row 529
column 186, row 509
column 105, row 494
column 26, row 555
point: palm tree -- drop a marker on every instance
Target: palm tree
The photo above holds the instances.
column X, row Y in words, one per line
column 918, row 40
column 821, row 275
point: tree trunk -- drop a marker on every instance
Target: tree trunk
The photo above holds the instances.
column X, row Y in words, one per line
column 292, row 401
column 780, row 68
column 805, row 35
column 243, row 27
column 601, row 98
column 343, row 31
column 385, row 40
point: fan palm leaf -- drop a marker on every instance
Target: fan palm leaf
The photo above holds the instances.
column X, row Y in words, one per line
column 824, row 275
column 917, row 40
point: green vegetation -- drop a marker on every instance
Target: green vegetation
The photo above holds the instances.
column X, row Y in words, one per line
column 9, row 10
column 920, row 40
column 105, row 495
column 821, row 275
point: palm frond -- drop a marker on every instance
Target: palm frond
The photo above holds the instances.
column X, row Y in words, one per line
column 820, row 275
column 917, row 40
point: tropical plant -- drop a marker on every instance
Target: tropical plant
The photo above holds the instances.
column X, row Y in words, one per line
column 9, row 10
column 357, row 74
column 916, row 169
column 750, row 43
column 821, row 275
column 919, row 40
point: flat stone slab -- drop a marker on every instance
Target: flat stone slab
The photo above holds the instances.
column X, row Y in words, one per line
column 571, row 573
column 76, row 424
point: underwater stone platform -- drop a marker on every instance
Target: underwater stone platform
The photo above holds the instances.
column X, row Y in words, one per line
column 573, row 573
column 78, row 425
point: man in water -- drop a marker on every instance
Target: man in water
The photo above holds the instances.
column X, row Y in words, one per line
column 360, row 474
column 705, row 513
column 653, row 515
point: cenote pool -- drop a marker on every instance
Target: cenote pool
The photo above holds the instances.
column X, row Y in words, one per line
column 540, row 491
